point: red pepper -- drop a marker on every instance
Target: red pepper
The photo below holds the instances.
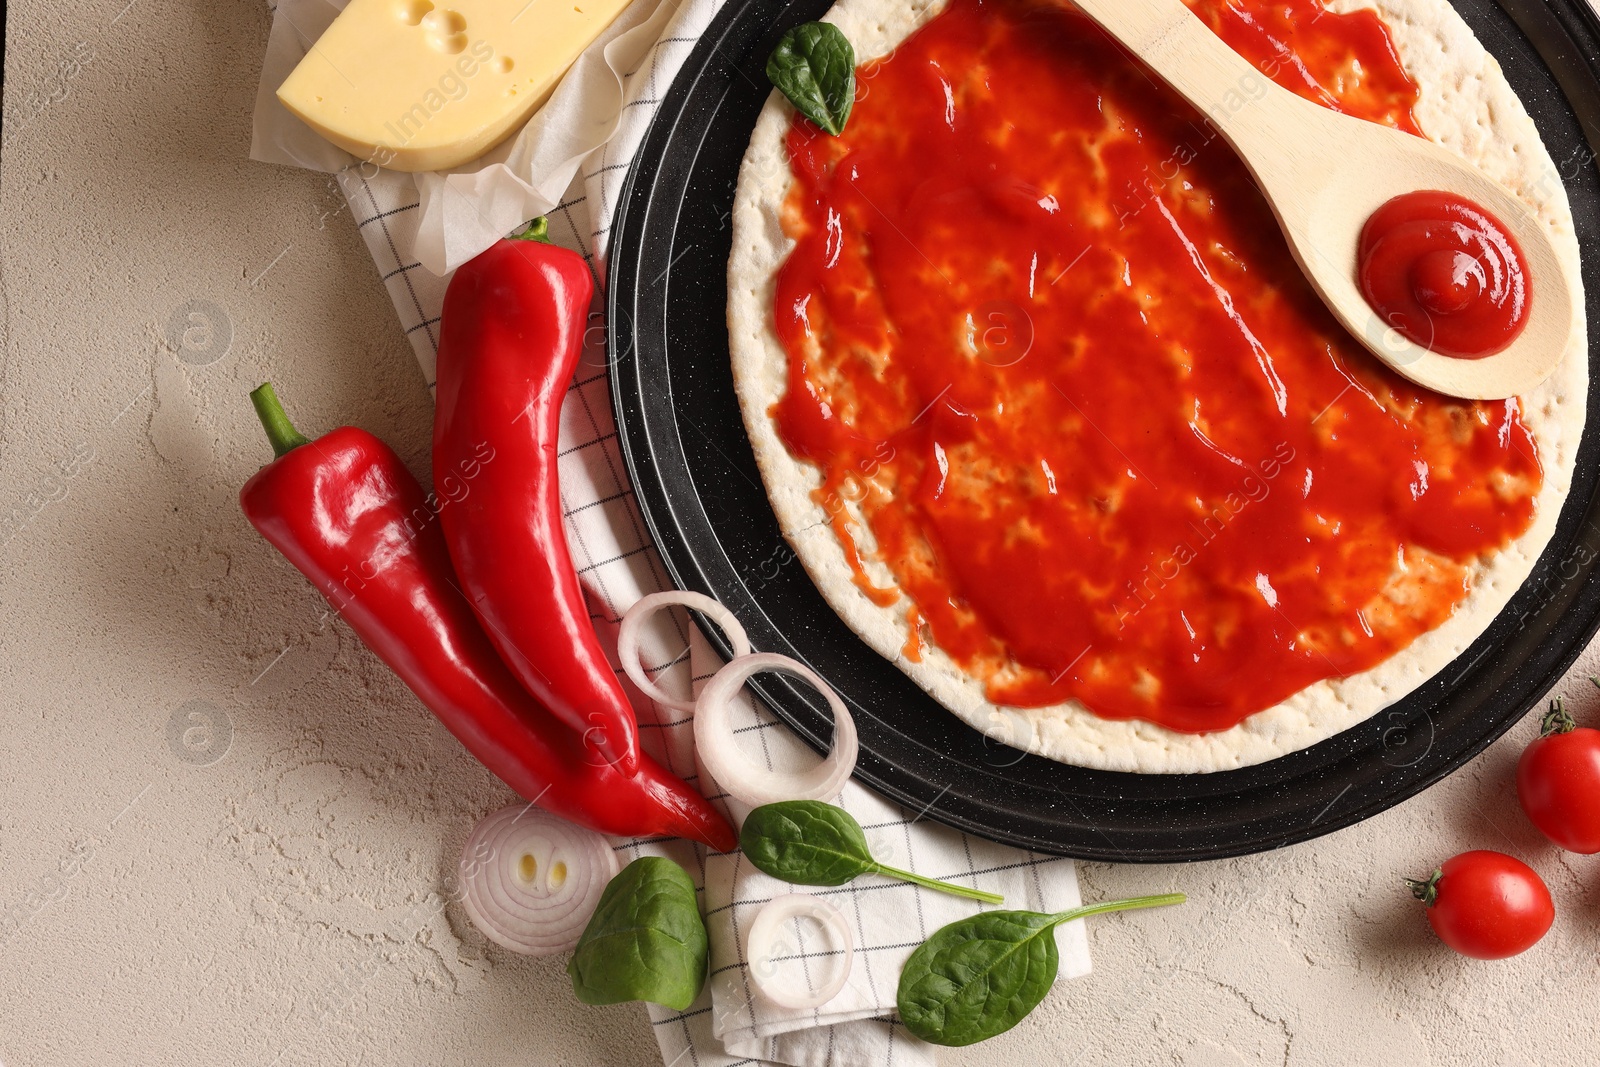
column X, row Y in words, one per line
column 352, row 518
column 510, row 336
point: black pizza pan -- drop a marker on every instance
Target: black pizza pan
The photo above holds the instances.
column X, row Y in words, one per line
column 697, row 483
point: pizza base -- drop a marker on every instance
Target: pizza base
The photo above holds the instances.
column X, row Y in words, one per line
column 1465, row 105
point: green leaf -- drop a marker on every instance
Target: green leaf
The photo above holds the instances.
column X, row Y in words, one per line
column 814, row 65
column 980, row 976
column 645, row 941
column 806, row 842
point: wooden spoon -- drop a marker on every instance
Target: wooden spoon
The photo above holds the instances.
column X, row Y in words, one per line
column 1325, row 173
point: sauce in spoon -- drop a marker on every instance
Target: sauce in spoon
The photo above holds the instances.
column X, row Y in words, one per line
column 1444, row 273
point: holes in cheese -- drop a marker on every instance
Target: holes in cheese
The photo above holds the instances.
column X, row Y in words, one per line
column 414, row 85
column 411, row 12
column 447, row 31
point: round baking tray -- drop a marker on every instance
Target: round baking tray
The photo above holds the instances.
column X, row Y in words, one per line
column 700, row 491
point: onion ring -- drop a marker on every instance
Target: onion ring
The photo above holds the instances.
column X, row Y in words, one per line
column 764, row 941
column 743, row 778
column 530, row 880
column 633, row 619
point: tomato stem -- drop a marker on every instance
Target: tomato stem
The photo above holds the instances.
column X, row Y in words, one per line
column 1556, row 720
column 1426, row 889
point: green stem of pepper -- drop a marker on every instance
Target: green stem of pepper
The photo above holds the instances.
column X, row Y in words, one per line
column 943, row 887
column 280, row 431
column 538, row 230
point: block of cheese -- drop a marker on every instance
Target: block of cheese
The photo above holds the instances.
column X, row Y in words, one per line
column 414, row 85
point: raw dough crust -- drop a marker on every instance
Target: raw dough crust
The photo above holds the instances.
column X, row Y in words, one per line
column 1467, row 106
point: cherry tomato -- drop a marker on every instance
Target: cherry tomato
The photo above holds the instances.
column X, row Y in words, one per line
column 1486, row 905
column 1558, row 782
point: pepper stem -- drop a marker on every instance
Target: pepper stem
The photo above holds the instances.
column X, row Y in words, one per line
column 1426, row 889
column 537, row 230
column 1556, row 720
column 280, row 431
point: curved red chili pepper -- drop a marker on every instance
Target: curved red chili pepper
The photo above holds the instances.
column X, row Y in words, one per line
column 352, row 518
column 510, row 336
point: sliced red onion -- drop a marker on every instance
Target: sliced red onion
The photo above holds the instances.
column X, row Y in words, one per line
column 633, row 619
column 768, row 946
column 530, row 880
column 736, row 772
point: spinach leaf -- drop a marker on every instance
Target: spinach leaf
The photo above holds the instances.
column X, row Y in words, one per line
column 814, row 65
column 980, row 976
column 808, row 842
column 645, row 941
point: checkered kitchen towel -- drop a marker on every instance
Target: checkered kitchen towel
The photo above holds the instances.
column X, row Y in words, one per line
column 443, row 220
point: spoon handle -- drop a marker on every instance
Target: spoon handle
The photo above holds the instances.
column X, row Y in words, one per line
column 1241, row 102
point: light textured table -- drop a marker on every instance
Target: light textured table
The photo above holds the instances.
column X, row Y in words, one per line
column 280, row 905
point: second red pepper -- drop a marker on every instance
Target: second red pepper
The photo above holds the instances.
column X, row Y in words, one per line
column 510, row 336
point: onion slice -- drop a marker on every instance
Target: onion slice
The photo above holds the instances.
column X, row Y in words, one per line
column 530, row 880
column 767, row 947
column 742, row 777
column 633, row 619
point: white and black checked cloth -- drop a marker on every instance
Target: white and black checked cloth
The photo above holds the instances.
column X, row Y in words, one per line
column 730, row 1024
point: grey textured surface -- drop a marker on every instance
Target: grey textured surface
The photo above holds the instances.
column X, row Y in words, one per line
column 272, row 895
